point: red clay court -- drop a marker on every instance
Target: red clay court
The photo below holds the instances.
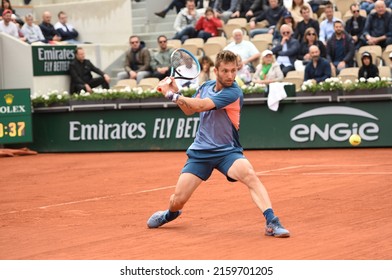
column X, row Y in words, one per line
column 337, row 204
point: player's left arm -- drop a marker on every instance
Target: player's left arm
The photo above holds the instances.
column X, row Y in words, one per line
column 191, row 106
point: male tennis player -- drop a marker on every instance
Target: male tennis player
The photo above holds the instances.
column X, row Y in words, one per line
column 216, row 144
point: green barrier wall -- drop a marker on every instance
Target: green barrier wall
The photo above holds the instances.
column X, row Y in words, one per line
column 294, row 125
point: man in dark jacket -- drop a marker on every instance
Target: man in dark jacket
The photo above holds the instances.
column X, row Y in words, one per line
column 318, row 69
column 81, row 78
column 137, row 61
column 287, row 50
column 47, row 28
column 368, row 69
column 355, row 25
column 340, row 48
column 378, row 27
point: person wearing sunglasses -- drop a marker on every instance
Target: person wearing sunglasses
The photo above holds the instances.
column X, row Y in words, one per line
column 287, row 50
column 355, row 25
column 160, row 62
column 311, row 39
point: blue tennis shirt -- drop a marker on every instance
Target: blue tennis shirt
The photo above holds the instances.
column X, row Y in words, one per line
column 218, row 128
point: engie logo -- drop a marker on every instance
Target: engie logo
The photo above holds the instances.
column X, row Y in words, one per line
column 337, row 131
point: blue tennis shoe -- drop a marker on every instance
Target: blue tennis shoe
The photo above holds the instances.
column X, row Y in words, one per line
column 159, row 219
column 274, row 228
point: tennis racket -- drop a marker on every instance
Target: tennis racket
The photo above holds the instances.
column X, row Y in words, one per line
column 184, row 65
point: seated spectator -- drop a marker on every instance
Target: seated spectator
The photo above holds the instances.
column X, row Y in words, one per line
column 205, row 63
column 207, row 25
column 378, row 27
column 255, row 9
column 14, row 20
column 272, row 15
column 6, row 5
column 307, row 22
column 286, row 18
column 190, row 68
column 355, row 25
column 47, row 28
column 367, row 5
column 368, row 69
column 7, row 26
column 137, row 61
column 340, row 48
column 296, row 10
column 67, row 32
column 185, row 22
column 246, row 49
column 286, row 50
column 160, row 62
column 31, row 31
column 268, row 71
column 243, row 72
column 178, row 4
column 224, row 9
column 311, row 39
column 326, row 26
column 247, row 9
column 318, row 69
column 81, row 78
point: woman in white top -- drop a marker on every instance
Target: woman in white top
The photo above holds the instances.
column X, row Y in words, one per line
column 268, row 71
column 296, row 10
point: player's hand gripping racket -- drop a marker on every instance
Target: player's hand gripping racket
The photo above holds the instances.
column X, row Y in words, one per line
column 184, row 65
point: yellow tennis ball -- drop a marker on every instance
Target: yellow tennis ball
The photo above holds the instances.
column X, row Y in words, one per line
column 355, row 139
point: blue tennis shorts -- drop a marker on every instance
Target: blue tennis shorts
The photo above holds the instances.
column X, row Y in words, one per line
column 201, row 163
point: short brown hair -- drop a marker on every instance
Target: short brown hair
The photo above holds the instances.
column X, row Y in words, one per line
column 226, row 57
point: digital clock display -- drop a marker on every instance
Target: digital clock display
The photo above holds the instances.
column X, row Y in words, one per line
column 15, row 116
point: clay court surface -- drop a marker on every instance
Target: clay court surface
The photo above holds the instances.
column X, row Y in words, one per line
column 337, row 203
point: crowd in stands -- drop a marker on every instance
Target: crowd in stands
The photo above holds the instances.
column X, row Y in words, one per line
column 25, row 29
column 310, row 37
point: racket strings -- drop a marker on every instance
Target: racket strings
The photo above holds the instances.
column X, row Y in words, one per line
column 184, row 65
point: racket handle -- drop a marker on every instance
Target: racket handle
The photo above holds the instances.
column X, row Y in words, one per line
column 167, row 81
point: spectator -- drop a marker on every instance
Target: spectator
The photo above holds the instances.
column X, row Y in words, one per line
column 296, row 9
column 207, row 26
column 255, row 9
column 244, row 76
column 67, row 32
column 355, row 25
column 47, row 28
column 137, row 61
column 378, row 27
column 31, row 31
column 6, row 5
column 272, row 15
column 243, row 9
column 224, row 9
column 160, row 62
column 7, row 26
column 286, row 18
column 20, row 33
column 311, row 39
column 246, row 49
column 268, row 71
column 206, row 63
column 287, row 49
column 326, row 26
column 185, row 22
column 190, row 68
column 178, row 4
column 367, row 5
column 81, row 78
column 305, row 24
column 318, row 69
column 340, row 48
column 368, row 69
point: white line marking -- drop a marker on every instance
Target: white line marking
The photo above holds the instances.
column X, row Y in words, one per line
column 279, row 169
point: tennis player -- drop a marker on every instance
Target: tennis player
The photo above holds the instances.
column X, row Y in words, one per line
column 216, row 145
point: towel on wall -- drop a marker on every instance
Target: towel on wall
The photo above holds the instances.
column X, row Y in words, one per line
column 275, row 94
